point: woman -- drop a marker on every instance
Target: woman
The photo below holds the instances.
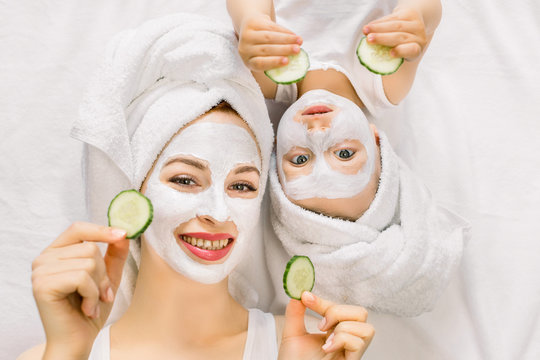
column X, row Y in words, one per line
column 206, row 204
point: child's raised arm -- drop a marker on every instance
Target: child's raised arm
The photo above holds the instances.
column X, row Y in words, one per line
column 263, row 44
column 409, row 30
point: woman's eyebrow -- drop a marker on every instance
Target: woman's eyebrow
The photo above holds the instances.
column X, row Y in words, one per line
column 246, row 168
column 191, row 162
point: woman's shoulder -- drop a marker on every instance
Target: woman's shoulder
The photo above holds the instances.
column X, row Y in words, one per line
column 35, row 352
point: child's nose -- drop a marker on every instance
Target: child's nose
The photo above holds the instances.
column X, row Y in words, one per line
column 315, row 123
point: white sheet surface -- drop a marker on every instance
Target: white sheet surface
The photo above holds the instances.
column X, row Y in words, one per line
column 470, row 128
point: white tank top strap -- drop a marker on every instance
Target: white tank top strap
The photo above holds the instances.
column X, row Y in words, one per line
column 101, row 350
column 261, row 342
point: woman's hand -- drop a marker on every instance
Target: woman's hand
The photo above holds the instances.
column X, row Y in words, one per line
column 347, row 335
column 404, row 30
column 74, row 287
column 264, row 45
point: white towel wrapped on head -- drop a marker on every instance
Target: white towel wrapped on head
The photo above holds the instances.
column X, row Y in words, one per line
column 154, row 80
column 397, row 258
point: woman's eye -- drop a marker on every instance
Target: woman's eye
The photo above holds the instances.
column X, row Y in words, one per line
column 344, row 154
column 243, row 187
column 300, row 159
column 183, row 181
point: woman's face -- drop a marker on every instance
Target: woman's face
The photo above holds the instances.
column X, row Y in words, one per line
column 205, row 192
column 328, row 160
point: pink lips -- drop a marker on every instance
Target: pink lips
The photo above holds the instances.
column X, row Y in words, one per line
column 317, row 109
column 208, row 255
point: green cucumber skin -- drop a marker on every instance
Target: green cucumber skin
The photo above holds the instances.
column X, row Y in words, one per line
column 288, row 267
column 150, row 217
column 369, row 68
column 292, row 81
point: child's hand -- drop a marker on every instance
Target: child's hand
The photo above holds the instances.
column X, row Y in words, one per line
column 404, row 30
column 264, row 45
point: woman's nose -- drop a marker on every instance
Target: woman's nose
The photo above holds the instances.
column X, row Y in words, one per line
column 207, row 219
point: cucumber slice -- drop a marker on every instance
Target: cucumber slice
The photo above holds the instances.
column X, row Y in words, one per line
column 132, row 211
column 376, row 58
column 294, row 71
column 299, row 276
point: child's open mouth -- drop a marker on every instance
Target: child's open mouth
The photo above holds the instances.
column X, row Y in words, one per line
column 316, row 110
column 207, row 246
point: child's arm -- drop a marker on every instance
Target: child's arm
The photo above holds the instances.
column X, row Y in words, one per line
column 263, row 45
column 409, row 30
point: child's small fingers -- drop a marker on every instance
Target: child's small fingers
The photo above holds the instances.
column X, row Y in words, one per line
column 383, row 19
column 273, row 37
column 263, row 63
column 392, row 26
column 408, row 51
column 392, row 39
column 275, row 50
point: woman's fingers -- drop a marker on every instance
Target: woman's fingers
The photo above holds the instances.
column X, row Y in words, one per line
column 333, row 313
column 294, row 319
column 83, row 231
column 81, row 256
column 59, row 286
column 353, row 346
column 115, row 258
column 356, row 328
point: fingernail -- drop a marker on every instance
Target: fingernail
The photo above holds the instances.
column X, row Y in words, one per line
column 296, row 48
column 110, row 295
column 118, row 233
column 322, row 323
column 371, row 37
column 328, row 342
column 366, row 30
column 392, row 53
column 308, row 297
column 299, row 40
column 284, row 60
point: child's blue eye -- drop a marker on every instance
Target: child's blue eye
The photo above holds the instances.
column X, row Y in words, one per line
column 300, row 159
column 344, row 154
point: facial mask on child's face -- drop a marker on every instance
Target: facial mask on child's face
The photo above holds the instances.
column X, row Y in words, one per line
column 349, row 123
column 223, row 147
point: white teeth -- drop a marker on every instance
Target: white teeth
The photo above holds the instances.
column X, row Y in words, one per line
column 206, row 244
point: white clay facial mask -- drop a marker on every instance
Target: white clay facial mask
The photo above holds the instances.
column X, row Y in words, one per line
column 223, row 147
column 324, row 181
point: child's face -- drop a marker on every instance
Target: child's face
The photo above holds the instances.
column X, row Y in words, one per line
column 328, row 160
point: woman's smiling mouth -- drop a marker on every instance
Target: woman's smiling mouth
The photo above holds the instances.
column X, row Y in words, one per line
column 207, row 246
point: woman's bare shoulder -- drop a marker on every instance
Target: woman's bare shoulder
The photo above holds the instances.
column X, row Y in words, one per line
column 33, row 353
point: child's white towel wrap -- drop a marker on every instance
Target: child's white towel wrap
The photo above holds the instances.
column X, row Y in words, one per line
column 153, row 81
column 401, row 251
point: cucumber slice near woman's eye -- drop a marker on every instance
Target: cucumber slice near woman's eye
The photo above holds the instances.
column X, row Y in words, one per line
column 294, row 71
column 376, row 58
column 131, row 211
column 299, row 276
